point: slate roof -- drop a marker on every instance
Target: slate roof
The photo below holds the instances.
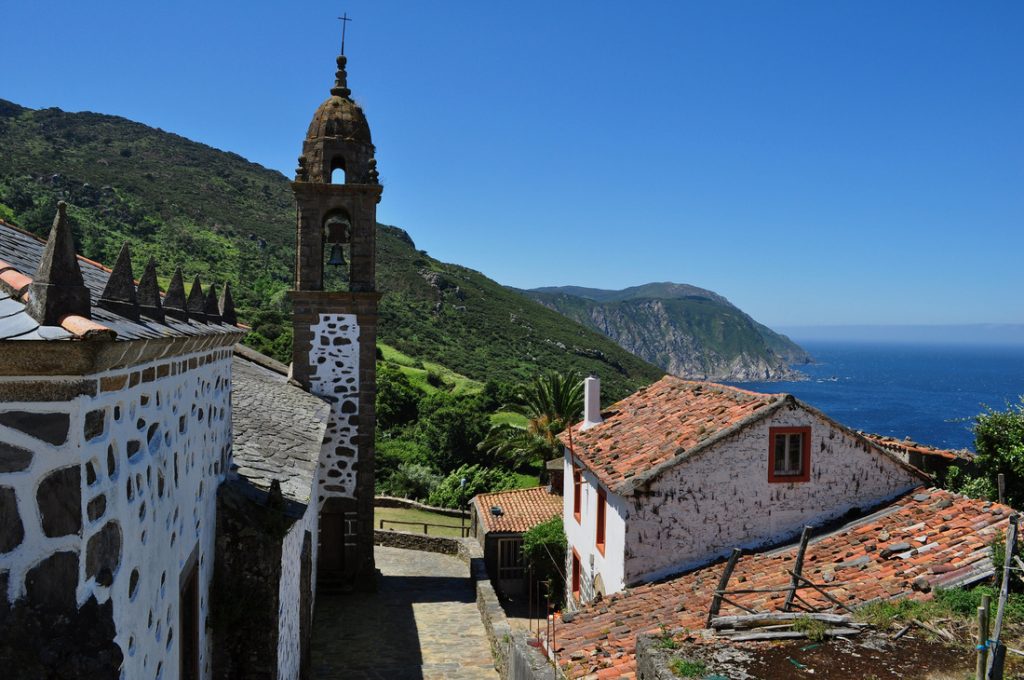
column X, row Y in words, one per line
column 660, row 422
column 277, row 426
column 522, row 509
column 906, row 446
column 20, row 254
column 928, row 536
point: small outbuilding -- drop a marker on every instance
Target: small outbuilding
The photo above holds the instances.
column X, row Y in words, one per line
column 499, row 521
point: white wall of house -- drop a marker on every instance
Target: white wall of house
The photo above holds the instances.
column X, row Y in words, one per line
column 721, row 498
column 599, row 573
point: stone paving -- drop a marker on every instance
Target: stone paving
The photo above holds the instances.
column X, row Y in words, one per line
column 422, row 624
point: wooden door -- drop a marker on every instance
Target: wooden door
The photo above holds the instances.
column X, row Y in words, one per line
column 331, row 546
column 188, row 619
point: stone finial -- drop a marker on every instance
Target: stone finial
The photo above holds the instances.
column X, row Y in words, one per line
column 340, row 88
column 197, row 301
column 210, row 308
column 227, row 306
column 58, row 289
column 149, row 293
column 174, row 300
column 119, row 295
column 302, row 172
column 275, row 498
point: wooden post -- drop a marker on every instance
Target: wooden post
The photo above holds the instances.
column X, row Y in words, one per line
column 1002, row 488
column 716, row 601
column 981, row 668
column 798, row 566
column 382, row 525
column 424, row 528
column 995, row 664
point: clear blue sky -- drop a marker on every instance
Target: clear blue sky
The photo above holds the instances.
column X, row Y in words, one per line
column 815, row 162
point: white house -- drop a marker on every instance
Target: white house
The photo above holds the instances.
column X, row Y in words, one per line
column 680, row 473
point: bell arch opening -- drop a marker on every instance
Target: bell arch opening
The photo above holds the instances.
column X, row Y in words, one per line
column 337, row 235
column 338, row 173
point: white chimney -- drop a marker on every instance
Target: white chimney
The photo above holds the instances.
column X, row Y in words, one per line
column 591, row 402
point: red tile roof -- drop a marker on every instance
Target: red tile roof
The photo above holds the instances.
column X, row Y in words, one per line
column 905, row 446
column 661, row 422
column 522, row 509
column 944, row 537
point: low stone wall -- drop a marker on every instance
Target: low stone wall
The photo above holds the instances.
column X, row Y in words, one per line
column 514, row 659
column 393, row 502
column 652, row 661
column 409, row 541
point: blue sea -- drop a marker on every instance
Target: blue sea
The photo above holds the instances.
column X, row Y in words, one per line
column 929, row 393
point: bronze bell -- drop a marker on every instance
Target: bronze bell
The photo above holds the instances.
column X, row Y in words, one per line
column 337, row 255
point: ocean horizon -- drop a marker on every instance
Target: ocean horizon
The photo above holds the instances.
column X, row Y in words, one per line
column 929, row 392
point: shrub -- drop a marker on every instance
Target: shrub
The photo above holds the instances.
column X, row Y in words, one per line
column 544, row 550
column 413, row 480
column 453, row 493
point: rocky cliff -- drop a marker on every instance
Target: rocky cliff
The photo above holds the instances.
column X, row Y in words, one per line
column 688, row 331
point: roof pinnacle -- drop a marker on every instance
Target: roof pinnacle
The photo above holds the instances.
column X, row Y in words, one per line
column 340, row 88
column 119, row 294
column 149, row 293
column 174, row 300
column 57, row 288
column 197, row 301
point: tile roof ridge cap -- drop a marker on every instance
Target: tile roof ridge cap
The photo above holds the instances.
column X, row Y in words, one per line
column 628, row 486
column 511, row 491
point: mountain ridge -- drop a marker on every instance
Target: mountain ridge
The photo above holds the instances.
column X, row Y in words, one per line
column 223, row 217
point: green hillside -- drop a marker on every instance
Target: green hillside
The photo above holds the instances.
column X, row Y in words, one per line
column 215, row 214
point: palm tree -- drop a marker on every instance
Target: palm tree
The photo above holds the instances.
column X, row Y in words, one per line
column 551, row 402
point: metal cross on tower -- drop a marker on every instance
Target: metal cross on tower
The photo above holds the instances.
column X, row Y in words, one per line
column 344, row 22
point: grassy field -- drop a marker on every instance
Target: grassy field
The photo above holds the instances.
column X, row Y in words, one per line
column 509, row 418
column 410, row 515
column 427, row 376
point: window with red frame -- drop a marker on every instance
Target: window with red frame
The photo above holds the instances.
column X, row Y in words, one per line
column 789, row 454
column 577, row 493
column 602, row 502
column 575, row 574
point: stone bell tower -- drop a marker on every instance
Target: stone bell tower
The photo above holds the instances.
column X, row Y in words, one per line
column 334, row 352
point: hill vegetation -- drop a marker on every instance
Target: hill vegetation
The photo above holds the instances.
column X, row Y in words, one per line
column 215, row 214
column 688, row 331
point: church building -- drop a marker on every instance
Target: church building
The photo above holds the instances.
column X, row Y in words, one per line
column 170, row 501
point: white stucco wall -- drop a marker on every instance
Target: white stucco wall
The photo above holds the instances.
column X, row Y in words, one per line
column 721, row 498
column 599, row 573
column 161, row 498
column 289, row 656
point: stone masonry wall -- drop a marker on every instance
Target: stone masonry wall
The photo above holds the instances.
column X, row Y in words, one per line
column 334, row 357
column 115, row 476
column 721, row 498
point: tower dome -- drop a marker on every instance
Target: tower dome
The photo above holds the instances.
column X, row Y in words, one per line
column 338, row 138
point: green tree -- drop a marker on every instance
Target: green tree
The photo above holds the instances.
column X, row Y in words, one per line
column 551, row 402
column 397, row 399
column 544, row 549
column 452, row 492
column 451, row 434
column 999, row 444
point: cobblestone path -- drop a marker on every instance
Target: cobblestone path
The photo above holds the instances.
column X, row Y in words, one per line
column 422, row 624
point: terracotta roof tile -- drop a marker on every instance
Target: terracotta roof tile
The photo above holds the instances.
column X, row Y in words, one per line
column 948, row 535
column 522, row 509
column 660, row 422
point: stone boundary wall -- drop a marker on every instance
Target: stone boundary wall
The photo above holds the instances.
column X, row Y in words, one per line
column 652, row 661
column 393, row 502
column 513, row 658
